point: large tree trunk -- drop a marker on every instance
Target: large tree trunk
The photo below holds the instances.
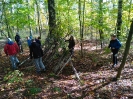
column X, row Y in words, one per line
column 126, row 51
column 52, row 17
column 119, row 18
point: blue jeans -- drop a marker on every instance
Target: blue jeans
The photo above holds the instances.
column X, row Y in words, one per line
column 39, row 64
column 14, row 60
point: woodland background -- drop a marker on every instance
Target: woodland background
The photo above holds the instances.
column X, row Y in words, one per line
column 91, row 22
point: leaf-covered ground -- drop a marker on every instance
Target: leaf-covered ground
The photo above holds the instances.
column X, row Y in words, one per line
column 94, row 70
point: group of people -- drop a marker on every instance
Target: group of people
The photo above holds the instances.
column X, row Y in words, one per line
column 12, row 48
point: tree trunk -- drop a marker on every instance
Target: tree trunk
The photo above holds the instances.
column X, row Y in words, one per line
column 52, row 17
column 119, row 18
column 126, row 51
column 91, row 28
column 30, row 29
column 68, row 21
column 1, row 23
column 6, row 21
column 101, row 22
column 38, row 17
column 83, row 21
column 129, row 13
column 17, row 21
column 80, row 25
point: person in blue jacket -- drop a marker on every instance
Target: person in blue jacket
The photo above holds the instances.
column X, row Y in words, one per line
column 114, row 45
column 29, row 41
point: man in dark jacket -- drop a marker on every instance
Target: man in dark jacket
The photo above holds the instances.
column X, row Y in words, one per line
column 38, row 40
column 11, row 49
column 114, row 46
column 36, row 52
column 18, row 40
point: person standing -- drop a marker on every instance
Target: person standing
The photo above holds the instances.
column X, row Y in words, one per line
column 29, row 41
column 114, row 45
column 38, row 40
column 36, row 52
column 71, row 44
column 11, row 49
column 19, row 42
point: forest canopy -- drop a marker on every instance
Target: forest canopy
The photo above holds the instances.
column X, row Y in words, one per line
column 28, row 16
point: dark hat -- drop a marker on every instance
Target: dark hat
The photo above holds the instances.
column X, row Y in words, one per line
column 17, row 33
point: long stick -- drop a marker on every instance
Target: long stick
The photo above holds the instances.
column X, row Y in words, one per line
column 24, row 61
column 75, row 71
column 64, row 65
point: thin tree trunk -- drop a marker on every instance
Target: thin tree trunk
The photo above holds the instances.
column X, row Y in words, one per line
column 80, row 24
column 17, row 21
column 129, row 13
column 30, row 29
column 119, row 18
column 1, row 18
column 38, row 17
column 126, row 51
column 68, row 27
column 82, row 34
column 82, row 28
column 6, row 21
column 101, row 22
column 91, row 28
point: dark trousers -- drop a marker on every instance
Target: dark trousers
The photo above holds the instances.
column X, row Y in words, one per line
column 71, row 50
column 115, row 52
column 20, row 47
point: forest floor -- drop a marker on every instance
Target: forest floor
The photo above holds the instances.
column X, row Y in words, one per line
column 94, row 70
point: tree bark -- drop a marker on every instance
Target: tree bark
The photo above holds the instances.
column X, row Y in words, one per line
column 30, row 29
column 6, row 21
column 80, row 25
column 129, row 13
column 68, row 21
column 52, row 17
column 126, row 51
column 101, row 22
column 38, row 17
column 119, row 18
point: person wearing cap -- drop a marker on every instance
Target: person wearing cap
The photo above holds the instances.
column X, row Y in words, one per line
column 11, row 49
column 18, row 40
column 36, row 52
column 114, row 45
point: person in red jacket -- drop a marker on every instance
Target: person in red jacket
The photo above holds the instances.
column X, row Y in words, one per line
column 11, row 49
